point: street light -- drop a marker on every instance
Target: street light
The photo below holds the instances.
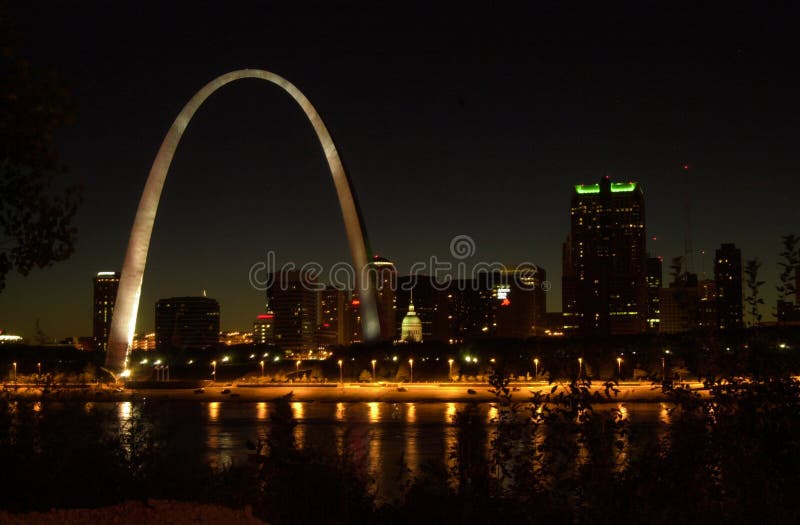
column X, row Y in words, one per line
column 262, row 367
column 39, row 368
column 15, row 372
column 619, row 366
column 297, row 369
column 536, row 367
column 411, row 368
column 341, row 377
column 213, row 370
column 580, row 367
column 373, row 370
column 450, row 362
column 663, row 368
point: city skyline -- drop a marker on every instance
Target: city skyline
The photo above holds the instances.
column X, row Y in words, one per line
column 409, row 124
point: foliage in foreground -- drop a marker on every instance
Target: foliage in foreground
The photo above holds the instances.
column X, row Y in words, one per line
column 733, row 456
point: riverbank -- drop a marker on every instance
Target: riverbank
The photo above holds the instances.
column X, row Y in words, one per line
column 334, row 393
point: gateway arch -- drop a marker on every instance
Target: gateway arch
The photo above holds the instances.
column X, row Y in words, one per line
column 123, row 322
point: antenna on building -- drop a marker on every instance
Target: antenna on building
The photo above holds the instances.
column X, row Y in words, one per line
column 688, row 252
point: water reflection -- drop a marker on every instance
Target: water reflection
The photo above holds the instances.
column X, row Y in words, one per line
column 381, row 439
column 411, row 413
column 411, row 452
column 374, row 412
column 624, row 438
column 124, row 410
column 261, row 411
column 298, row 412
column 219, row 442
column 213, row 411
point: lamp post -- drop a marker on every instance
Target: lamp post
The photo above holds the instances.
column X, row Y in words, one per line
column 341, row 376
column 411, row 369
column 580, row 367
column 450, row 374
column 213, row 370
column 536, row 367
column 39, row 368
column 373, row 370
column 619, row 366
column 297, row 369
column 663, row 368
column 15, row 372
column 262, row 368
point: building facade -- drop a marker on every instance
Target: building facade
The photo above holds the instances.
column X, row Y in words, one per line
column 654, row 279
column 105, row 295
column 384, row 274
column 187, row 322
column 728, row 284
column 604, row 261
column 294, row 302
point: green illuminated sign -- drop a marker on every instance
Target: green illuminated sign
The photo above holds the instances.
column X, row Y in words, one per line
column 622, row 186
column 587, row 188
column 616, row 187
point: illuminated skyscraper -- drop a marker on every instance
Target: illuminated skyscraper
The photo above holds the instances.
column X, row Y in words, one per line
column 654, row 278
column 605, row 290
column 264, row 327
column 331, row 323
column 519, row 305
column 728, row 280
column 105, row 295
column 295, row 305
column 385, row 275
column 187, row 322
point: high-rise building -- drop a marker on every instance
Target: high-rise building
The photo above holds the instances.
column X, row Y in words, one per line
column 519, row 304
column 331, row 323
column 385, row 275
column 187, row 322
column 728, row 282
column 654, row 278
column 294, row 302
column 680, row 305
column 707, row 305
column 264, row 329
column 105, row 294
column 604, row 284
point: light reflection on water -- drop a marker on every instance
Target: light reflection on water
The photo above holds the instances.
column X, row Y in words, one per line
column 382, row 439
column 298, row 412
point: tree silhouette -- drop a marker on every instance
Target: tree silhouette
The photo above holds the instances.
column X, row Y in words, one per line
column 753, row 300
column 36, row 226
column 787, row 288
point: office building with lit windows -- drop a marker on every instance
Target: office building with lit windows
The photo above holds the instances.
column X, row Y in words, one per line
column 187, row 322
column 604, row 261
column 105, row 294
column 728, row 282
column 294, row 303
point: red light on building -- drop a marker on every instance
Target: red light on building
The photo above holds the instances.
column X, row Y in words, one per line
column 326, row 325
column 355, row 302
column 685, row 167
column 505, row 302
column 265, row 316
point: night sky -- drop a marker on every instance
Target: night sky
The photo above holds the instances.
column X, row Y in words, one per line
column 454, row 121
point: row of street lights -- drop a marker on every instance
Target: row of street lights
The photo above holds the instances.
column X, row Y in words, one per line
column 14, row 367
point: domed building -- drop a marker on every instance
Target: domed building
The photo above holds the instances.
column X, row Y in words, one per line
column 411, row 328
